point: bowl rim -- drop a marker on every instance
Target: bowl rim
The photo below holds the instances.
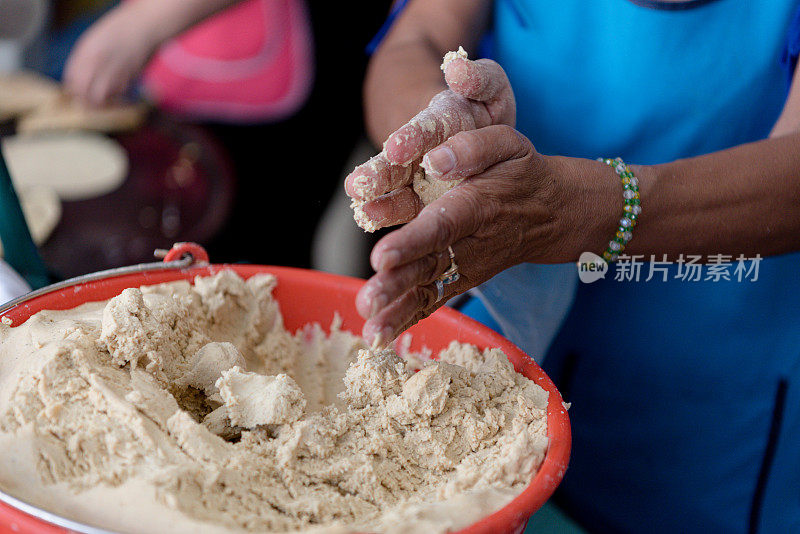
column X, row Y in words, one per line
column 102, row 286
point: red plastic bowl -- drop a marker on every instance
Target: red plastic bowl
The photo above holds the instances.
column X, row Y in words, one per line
column 311, row 296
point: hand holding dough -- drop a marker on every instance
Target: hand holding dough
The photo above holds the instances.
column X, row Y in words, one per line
column 394, row 186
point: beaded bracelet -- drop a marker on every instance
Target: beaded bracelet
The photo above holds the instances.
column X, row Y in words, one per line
column 632, row 208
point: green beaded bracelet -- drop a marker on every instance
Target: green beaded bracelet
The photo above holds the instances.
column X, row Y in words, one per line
column 631, row 209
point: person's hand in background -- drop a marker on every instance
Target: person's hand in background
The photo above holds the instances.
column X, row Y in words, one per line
column 109, row 56
column 113, row 52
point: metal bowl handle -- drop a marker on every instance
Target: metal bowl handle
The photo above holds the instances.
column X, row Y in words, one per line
column 180, row 256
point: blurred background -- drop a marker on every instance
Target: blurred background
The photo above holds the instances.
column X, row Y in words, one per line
column 236, row 132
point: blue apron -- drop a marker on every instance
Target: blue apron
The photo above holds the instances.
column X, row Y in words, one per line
column 686, row 395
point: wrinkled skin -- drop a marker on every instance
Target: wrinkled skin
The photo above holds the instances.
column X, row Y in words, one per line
column 508, row 210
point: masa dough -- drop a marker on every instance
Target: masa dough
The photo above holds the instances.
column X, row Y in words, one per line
column 42, row 210
column 23, row 92
column 426, row 188
column 190, row 408
column 39, row 105
column 252, row 399
column 68, row 114
column 451, row 56
column 78, row 165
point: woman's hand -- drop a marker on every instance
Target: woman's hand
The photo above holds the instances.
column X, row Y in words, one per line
column 109, row 56
column 479, row 95
column 514, row 205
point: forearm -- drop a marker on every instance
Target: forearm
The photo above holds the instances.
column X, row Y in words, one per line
column 400, row 81
column 743, row 200
column 404, row 72
column 166, row 19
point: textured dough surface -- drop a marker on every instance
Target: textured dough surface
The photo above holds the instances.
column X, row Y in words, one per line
column 190, row 408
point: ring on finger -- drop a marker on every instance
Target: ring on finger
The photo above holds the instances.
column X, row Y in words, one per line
column 450, row 276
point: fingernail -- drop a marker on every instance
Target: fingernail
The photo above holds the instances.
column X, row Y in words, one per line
column 439, row 161
column 369, row 332
column 380, row 338
column 379, row 302
column 385, row 337
column 360, row 184
column 389, row 259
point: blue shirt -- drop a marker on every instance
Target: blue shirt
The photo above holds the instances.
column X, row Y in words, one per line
column 686, row 395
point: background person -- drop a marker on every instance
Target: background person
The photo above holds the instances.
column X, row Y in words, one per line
column 264, row 141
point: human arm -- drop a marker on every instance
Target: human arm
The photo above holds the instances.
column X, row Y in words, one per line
column 404, row 74
column 112, row 52
column 789, row 120
column 520, row 206
column 480, row 96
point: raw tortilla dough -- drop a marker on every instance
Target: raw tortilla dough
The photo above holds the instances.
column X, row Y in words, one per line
column 23, row 92
column 42, row 209
column 427, row 189
column 66, row 114
column 40, row 106
column 78, row 165
column 430, row 189
column 105, row 418
column 252, row 399
column 450, row 56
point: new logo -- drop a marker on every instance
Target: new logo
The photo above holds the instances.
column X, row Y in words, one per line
column 591, row 267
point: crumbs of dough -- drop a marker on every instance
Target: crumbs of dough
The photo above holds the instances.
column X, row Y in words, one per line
column 6, row 321
column 427, row 189
column 199, row 396
column 360, row 216
column 450, row 56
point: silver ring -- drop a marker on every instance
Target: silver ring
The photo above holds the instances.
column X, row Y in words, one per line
column 448, row 277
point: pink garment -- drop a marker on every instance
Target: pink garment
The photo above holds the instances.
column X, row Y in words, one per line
column 250, row 63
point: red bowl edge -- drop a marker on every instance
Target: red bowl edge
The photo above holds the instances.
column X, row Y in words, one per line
column 508, row 519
